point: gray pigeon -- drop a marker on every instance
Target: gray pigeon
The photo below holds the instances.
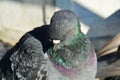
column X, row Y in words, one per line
column 74, row 57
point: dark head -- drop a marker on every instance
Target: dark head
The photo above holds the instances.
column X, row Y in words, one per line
column 63, row 23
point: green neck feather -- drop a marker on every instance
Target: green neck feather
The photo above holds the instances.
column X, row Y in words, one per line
column 79, row 45
column 58, row 60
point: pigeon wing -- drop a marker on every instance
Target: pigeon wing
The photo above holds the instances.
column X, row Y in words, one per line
column 28, row 62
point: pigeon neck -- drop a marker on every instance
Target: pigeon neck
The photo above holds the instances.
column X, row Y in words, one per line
column 63, row 68
column 75, row 32
column 73, row 37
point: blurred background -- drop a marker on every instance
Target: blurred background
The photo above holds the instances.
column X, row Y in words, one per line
column 100, row 19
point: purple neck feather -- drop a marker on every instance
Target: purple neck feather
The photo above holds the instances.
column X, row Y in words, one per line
column 65, row 71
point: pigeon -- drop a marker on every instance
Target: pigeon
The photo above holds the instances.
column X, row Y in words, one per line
column 27, row 59
column 73, row 56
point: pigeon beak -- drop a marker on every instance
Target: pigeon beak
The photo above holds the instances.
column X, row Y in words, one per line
column 55, row 42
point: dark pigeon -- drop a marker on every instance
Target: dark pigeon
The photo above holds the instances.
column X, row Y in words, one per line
column 26, row 60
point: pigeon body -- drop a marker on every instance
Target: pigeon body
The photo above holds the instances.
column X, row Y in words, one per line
column 74, row 56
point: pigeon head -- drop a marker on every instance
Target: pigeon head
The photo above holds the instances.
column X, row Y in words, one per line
column 63, row 23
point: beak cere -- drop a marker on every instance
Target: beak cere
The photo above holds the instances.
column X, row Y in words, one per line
column 55, row 43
